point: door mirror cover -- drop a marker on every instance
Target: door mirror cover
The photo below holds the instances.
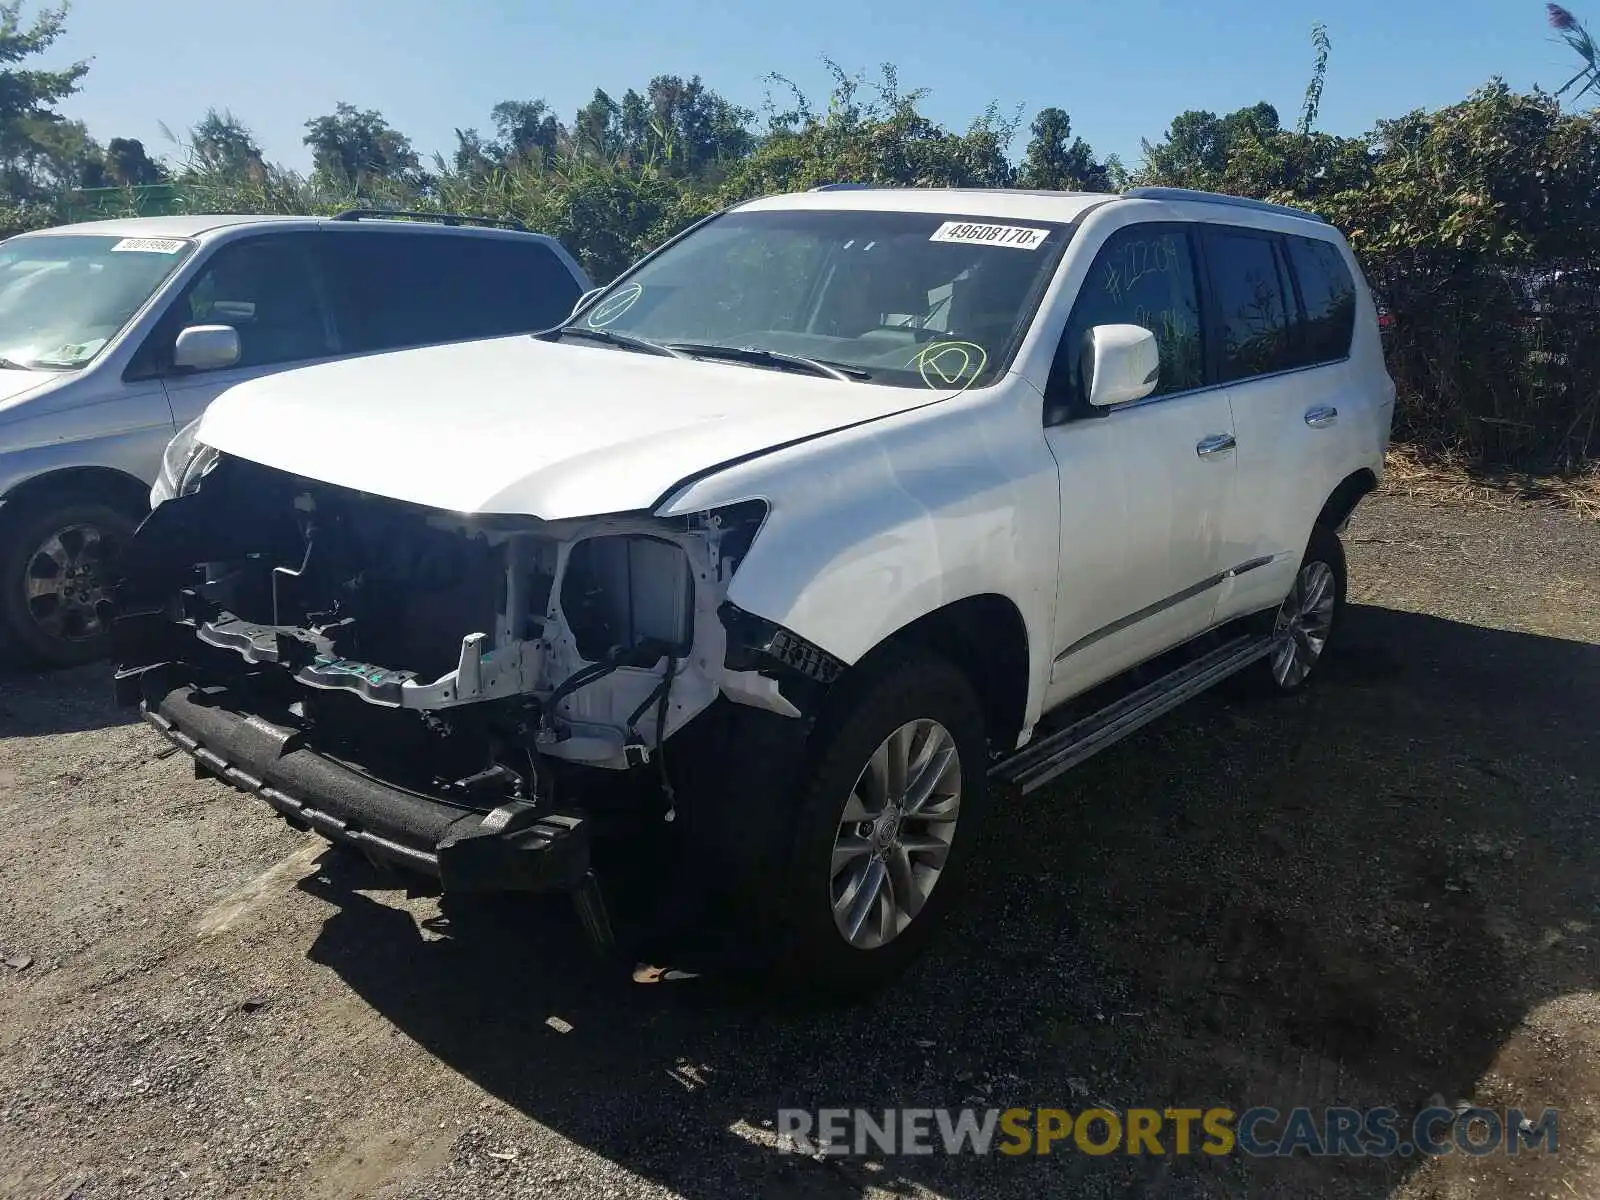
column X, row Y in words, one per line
column 1124, row 364
column 206, row 348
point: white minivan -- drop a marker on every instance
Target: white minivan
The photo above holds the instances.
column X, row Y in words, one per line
column 114, row 334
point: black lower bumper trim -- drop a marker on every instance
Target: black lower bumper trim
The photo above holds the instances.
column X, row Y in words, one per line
column 514, row 848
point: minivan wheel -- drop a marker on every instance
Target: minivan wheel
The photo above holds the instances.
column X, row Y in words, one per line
column 1308, row 619
column 56, row 562
column 885, row 827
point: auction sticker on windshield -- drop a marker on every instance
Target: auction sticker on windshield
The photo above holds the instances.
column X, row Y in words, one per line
column 1018, row 237
column 149, row 245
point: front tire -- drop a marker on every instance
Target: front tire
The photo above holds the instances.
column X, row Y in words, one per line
column 884, row 827
column 56, row 559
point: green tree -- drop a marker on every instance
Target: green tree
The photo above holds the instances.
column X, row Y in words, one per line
column 351, row 147
column 871, row 132
column 222, row 145
column 39, row 150
column 1194, row 152
column 128, row 164
column 1056, row 160
column 1312, row 106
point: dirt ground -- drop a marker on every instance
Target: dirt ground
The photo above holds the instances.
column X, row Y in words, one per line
column 1381, row 893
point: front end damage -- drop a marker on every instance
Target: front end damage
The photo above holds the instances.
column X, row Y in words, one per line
column 475, row 698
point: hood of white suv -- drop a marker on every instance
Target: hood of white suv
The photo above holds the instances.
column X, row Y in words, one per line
column 521, row 426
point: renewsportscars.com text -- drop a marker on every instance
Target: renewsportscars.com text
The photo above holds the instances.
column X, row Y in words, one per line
column 1258, row 1132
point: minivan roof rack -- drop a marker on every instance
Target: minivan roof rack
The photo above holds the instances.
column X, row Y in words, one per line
column 1171, row 193
column 391, row 214
column 842, row 187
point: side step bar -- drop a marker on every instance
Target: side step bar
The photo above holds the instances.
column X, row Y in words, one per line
column 1041, row 761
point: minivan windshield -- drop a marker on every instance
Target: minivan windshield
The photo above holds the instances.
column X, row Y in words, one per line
column 64, row 296
column 908, row 299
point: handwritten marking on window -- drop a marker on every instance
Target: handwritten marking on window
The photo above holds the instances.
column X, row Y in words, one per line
column 612, row 307
column 1134, row 260
column 950, row 364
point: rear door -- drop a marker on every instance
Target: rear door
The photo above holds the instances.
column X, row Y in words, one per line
column 418, row 285
column 1285, row 309
column 1145, row 486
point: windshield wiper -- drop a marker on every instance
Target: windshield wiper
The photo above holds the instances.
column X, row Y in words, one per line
column 11, row 365
column 773, row 358
column 611, row 338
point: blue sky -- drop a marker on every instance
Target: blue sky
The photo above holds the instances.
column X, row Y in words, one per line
column 1121, row 69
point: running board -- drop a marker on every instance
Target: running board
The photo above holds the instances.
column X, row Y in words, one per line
column 1041, row 761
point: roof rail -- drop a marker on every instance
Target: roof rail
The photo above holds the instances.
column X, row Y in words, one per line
column 1170, row 193
column 390, row 214
column 842, row 187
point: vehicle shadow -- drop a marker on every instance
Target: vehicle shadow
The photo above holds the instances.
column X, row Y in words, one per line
column 33, row 703
column 1351, row 897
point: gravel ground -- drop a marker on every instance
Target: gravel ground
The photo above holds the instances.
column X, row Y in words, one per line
column 1379, row 893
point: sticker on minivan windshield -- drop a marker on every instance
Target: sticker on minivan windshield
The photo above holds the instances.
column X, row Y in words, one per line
column 1018, row 237
column 149, row 246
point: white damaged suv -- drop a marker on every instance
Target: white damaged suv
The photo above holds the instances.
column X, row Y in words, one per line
column 750, row 579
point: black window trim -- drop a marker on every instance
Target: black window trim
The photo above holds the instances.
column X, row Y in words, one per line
column 1056, row 414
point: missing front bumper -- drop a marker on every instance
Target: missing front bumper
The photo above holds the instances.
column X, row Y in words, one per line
column 513, row 848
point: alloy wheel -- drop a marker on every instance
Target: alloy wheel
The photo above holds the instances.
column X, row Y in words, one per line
column 1303, row 624
column 895, row 834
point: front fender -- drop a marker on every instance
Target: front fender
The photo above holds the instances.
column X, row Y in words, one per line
column 875, row 526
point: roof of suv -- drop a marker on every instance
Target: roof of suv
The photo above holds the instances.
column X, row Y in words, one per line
column 1004, row 203
column 978, row 202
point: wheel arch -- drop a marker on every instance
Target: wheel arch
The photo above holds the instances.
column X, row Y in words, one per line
column 106, row 485
column 985, row 637
column 1344, row 498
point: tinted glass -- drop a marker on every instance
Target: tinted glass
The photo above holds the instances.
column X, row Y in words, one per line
column 1329, row 295
column 399, row 289
column 265, row 288
column 63, row 297
column 1252, row 303
column 911, row 299
column 1144, row 275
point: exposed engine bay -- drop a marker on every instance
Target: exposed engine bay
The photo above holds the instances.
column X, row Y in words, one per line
column 462, row 653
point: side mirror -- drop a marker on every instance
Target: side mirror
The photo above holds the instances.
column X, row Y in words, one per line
column 1124, row 364
column 584, row 299
column 206, row 347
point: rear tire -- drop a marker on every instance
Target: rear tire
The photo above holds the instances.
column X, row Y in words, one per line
column 57, row 557
column 1305, row 625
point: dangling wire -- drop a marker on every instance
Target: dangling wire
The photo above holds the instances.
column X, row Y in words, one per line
column 661, row 740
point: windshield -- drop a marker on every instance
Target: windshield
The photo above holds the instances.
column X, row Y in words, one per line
column 908, row 299
column 63, row 297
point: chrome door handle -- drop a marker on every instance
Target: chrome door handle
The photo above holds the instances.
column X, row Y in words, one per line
column 1217, row 443
column 1321, row 416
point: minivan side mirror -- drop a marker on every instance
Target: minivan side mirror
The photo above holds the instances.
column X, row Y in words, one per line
column 206, row 347
column 1124, row 364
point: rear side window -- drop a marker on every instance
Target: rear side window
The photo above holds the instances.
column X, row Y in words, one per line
column 410, row 289
column 1328, row 294
column 1144, row 275
column 1253, row 303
